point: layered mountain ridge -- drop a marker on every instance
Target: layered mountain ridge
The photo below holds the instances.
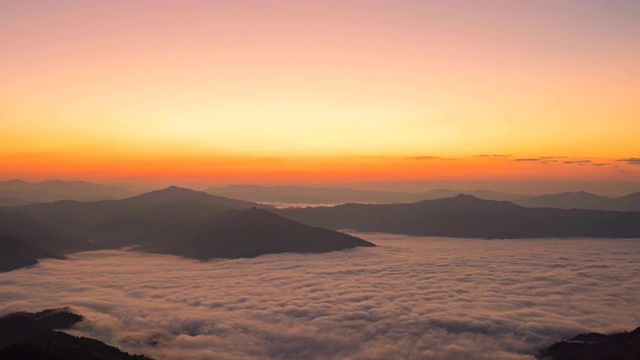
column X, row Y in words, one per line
column 174, row 221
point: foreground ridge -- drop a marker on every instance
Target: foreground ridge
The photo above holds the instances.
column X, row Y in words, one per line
column 26, row 335
column 596, row 346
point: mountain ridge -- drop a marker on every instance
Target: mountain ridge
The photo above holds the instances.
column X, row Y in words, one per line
column 583, row 200
column 15, row 191
column 188, row 223
column 26, row 335
column 467, row 216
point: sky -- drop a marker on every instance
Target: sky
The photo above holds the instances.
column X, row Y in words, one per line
column 320, row 91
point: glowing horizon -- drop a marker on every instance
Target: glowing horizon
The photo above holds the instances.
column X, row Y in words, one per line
column 289, row 91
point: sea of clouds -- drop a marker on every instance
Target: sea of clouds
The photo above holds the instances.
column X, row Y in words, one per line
column 411, row 298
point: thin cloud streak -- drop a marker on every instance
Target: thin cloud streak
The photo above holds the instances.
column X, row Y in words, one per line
column 407, row 298
column 631, row 160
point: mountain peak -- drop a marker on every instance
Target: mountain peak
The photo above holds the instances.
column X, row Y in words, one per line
column 172, row 192
column 465, row 196
column 176, row 193
column 177, row 188
column 14, row 182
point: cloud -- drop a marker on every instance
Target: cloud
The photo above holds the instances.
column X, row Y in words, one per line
column 425, row 157
column 407, row 298
column 494, row 155
column 552, row 160
column 578, row 162
column 631, row 160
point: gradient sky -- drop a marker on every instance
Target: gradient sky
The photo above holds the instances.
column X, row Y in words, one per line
column 295, row 91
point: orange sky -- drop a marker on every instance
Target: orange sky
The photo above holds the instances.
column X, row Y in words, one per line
column 308, row 91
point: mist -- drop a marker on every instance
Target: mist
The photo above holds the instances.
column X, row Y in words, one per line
column 407, row 298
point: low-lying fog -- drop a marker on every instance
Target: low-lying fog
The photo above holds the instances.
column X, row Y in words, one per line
column 408, row 298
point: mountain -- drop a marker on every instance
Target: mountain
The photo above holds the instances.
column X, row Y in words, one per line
column 205, row 231
column 56, row 345
column 187, row 223
column 39, row 235
column 337, row 195
column 308, row 195
column 629, row 202
column 583, row 200
column 162, row 223
column 480, row 194
column 54, row 190
column 567, row 200
column 174, row 193
column 33, row 336
column 24, row 240
column 19, row 326
column 595, row 346
column 81, row 216
column 15, row 254
column 253, row 232
column 467, row 216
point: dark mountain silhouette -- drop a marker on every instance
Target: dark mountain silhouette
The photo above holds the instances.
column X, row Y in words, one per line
column 629, row 202
column 55, row 345
column 595, row 346
column 254, row 232
column 336, row 195
column 467, row 216
column 480, row 194
column 81, row 216
column 209, row 231
column 15, row 254
column 32, row 336
column 566, row 200
column 162, row 223
column 23, row 241
column 18, row 326
column 174, row 193
column 54, row 190
column 187, row 223
column 583, row 200
column 40, row 235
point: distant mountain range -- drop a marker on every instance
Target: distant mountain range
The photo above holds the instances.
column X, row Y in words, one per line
column 19, row 192
column 583, row 200
column 336, row 195
column 200, row 225
column 34, row 336
column 77, row 216
column 302, row 195
column 467, row 216
column 173, row 221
